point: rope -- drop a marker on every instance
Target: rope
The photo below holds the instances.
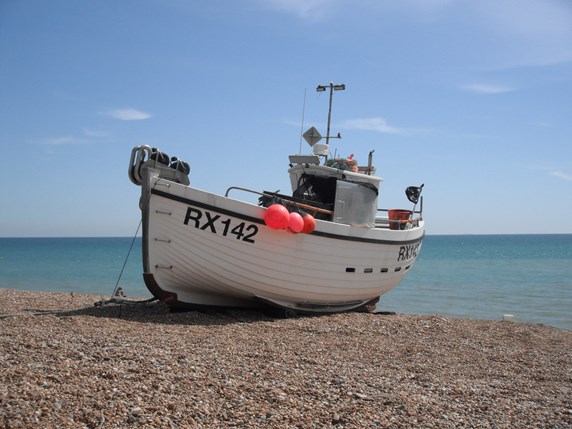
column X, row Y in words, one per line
column 102, row 303
column 113, row 300
column 126, row 258
column 121, row 301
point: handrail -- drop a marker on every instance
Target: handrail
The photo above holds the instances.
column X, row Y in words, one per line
column 288, row 202
column 420, row 211
column 244, row 189
column 386, row 210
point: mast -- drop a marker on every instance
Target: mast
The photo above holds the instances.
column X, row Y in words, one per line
column 322, row 88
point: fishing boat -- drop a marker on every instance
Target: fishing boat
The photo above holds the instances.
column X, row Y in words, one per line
column 325, row 248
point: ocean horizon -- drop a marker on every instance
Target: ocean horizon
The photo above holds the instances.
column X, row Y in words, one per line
column 476, row 276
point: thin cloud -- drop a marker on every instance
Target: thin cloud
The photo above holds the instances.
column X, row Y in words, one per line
column 88, row 136
column 550, row 171
column 56, row 141
column 127, row 114
column 520, row 33
column 561, row 175
column 304, row 9
column 379, row 125
column 483, row 88
column 95, row 133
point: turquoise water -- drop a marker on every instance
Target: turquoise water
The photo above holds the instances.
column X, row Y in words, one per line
column 471, row 276
column 90, row 265
column 488, row 276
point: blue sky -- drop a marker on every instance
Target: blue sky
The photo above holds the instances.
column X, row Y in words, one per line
column 470, row 98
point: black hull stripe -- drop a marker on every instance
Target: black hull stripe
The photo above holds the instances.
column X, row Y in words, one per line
column 206, row 206
column 261, row 221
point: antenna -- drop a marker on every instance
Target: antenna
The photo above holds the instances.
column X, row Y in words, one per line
column 302, row 127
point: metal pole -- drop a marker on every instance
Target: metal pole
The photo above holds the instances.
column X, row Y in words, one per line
column 330, row 113
column 322, row 88
column 302, row 127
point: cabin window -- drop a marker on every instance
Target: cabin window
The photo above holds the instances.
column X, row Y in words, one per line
column 320, row 189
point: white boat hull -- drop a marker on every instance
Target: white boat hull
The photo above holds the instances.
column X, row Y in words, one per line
column 206, row 249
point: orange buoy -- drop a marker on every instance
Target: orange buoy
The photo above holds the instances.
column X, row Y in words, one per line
column 309, row 223
column 277, row 216
column 295, row 223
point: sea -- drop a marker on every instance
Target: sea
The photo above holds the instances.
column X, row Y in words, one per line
column 525, row 278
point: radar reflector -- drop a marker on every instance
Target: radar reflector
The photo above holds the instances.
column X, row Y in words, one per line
column 312, row 136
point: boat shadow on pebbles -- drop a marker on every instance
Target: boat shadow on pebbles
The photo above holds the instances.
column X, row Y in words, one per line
column 16, row 303
column 157, row 312
column 160, row 313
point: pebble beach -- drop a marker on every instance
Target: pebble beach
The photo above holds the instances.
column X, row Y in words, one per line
column 67, row 363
